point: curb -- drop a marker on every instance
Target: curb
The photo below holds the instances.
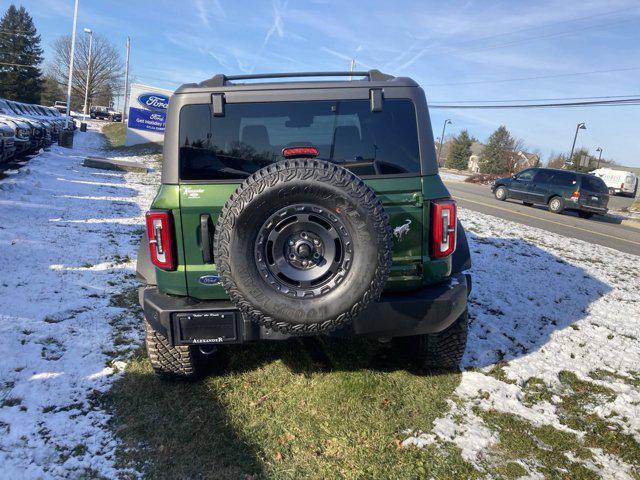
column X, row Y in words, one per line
column 631, row 223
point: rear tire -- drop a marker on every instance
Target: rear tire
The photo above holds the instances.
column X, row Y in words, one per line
column 443, row 350
column 171, row 362
column 556, row 205
column 585, row 214
column 501, row 193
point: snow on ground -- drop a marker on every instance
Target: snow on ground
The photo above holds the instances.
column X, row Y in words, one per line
column 541, row 304
column 67, row 240
column 452, row 176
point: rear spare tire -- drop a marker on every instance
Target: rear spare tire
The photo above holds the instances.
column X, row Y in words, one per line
column 303, row 246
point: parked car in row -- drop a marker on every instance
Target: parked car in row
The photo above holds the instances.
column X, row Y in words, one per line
column 26, row 128
column 105, row 113
column 60, row 106
column 558, row 189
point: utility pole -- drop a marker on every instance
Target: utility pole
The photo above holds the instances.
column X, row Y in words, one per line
column 599, row 150
column 86, row 90
column 352, row 67
column 126, row 83
column 446, row 122
column 580, row 126
column 73, row 48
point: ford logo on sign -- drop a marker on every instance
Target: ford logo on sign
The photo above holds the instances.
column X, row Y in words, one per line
column 154, row 101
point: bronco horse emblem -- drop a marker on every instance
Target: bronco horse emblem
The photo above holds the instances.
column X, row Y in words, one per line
column 401, row 230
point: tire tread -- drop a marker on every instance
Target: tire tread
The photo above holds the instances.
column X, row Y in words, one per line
column 170, row 362
column 302, row 169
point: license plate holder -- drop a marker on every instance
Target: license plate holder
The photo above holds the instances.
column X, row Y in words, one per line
column 197, row 328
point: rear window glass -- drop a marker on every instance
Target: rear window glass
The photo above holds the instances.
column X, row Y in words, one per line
column 252, row 135
column 593, row 184
column 565, row 179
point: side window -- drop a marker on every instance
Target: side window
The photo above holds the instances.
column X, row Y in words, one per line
column 526, row 175
column 593, row 184
column 543, row 176
column 564, row 179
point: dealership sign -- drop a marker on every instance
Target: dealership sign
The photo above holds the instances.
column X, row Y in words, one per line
column 147, row 114
column 154, row 101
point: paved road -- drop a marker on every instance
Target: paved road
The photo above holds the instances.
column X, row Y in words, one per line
column 602, row 230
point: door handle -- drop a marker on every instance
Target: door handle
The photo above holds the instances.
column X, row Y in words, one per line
column 206, row 234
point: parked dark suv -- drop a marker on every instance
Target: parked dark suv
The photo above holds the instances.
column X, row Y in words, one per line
column 559, row 189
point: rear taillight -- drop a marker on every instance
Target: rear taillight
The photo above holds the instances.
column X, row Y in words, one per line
column 443, row 228
column 160, row 234
column 575, row 196
column 621, row 186
column 299, row 152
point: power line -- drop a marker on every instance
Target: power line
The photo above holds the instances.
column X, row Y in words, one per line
column 538, row 37
column 423, row 51
column 538, row 77
column 538, row 99
column 595, row 103
column 18, row 65
column 538, row 27
column 15, row 34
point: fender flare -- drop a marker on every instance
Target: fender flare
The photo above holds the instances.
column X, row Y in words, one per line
column 145, row 270
column 461, row 258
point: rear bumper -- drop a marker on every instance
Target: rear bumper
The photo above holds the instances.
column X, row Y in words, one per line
column 429, row 310
column 588, row 208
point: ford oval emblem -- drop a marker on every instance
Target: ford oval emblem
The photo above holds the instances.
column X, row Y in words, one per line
column 209, row 280
column 154, row 101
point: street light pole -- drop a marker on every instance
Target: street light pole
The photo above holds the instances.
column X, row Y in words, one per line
column 580, row 126
column 126, row 83
column 73, row 47
column 446, row 122
column 86, row 91
column 599, row 150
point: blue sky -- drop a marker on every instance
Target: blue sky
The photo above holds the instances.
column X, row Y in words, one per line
column 457, row 50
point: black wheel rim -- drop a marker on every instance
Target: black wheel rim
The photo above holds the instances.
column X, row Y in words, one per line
column 303, row 251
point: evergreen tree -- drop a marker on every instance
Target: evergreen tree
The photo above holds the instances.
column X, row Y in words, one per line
column 499, row 152
column 577, row 158
column 460, row 151
column 20, row 57
column 52, row 91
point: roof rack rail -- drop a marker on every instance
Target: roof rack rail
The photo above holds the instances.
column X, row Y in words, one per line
column 220, row 80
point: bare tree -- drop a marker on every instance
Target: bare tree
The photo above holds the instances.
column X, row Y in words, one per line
column 557, row 160
column 106, row 70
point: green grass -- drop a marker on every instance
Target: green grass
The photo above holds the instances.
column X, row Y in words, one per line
column 551, row 451
column 545, row 447
column 300, row 409
column 337, row 408
column 115, row 134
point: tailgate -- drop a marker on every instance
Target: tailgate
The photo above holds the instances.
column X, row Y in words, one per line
column 402, row 200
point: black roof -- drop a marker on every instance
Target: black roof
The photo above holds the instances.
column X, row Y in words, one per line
column 372, row 78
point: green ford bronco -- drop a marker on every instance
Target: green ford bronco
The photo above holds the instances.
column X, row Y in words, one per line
column 295, row 208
